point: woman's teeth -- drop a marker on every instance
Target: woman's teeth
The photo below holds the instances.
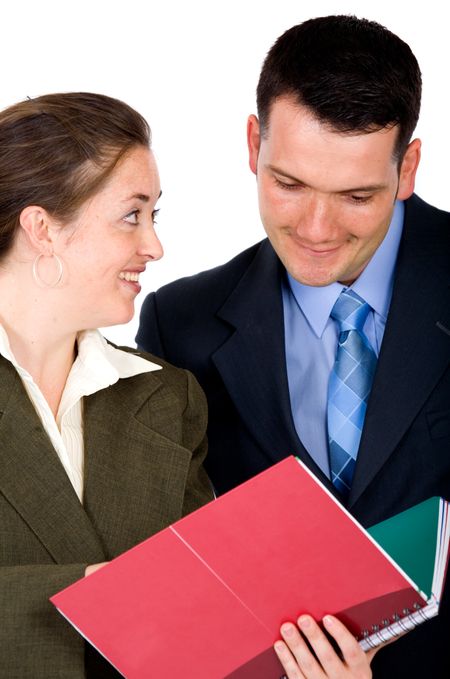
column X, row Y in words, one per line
column 129, row 276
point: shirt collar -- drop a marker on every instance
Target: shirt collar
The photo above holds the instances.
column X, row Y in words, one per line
column 101, row 363
column 97, row 366
column 374, row 284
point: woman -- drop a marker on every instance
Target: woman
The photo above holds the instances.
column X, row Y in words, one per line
column 99, row 447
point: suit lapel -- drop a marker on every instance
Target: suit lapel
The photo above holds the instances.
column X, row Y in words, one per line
column 252, row 362
column 135, row 474
column 33, row 479
column 415, row 348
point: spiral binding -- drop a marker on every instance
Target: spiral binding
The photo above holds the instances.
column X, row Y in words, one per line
column 397, row 624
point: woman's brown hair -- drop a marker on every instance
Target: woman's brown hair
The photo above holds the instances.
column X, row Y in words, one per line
column 58, row 150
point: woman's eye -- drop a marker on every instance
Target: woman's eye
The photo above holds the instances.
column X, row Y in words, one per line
column 154, row 215
column 132, row 217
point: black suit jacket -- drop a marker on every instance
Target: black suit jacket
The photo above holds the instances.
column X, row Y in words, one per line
column 226, row 326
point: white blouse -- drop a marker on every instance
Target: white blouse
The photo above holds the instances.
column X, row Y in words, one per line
column 97, row 366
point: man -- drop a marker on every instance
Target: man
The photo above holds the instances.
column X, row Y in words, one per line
column 364, row 403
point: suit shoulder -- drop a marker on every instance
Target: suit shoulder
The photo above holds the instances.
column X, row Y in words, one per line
column 425, row 215
column 426, row 235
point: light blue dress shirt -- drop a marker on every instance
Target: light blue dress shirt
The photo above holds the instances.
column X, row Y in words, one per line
column 311, row 336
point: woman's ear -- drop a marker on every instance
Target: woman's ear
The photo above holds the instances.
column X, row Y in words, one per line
column 36, row 223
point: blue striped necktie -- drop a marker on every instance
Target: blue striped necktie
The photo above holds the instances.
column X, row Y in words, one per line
column 349, row 387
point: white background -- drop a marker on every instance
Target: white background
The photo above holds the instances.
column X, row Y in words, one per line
column 191, row 69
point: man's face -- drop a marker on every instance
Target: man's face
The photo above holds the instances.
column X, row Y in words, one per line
column 326, row 199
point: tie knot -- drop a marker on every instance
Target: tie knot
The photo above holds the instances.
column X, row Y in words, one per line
column 350, row 311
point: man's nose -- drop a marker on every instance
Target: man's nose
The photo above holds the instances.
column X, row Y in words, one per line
column 316, row 223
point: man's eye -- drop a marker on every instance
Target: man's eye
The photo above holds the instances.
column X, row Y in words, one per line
column 360, row 200
column 287, row 187
column 132, row 217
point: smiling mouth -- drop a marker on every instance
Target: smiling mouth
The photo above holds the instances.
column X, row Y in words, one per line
column 321, row 251
column 130, row 276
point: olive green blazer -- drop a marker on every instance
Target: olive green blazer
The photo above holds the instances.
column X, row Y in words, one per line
column 144, row 446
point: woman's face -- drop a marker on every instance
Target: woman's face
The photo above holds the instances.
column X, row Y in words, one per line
column 106, row 248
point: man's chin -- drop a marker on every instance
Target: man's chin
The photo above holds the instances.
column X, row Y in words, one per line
column 314, row 280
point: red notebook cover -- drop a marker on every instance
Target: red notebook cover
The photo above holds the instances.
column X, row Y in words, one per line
column 204, row 599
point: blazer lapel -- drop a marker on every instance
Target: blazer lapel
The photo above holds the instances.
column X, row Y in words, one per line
column 135, row 474
column 34, row 481
column 415, row 347
column 252, row 362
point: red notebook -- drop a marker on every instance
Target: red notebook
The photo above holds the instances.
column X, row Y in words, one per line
column 204, row 598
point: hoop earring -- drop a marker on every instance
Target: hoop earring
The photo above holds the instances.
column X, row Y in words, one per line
column 38, row 279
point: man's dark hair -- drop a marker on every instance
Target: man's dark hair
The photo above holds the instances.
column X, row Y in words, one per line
column 352, row 74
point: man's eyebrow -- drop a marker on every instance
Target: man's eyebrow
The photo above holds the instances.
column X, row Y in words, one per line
column 282, row 173
column 369, row 188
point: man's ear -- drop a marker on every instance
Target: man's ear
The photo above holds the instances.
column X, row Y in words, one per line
column 408, row 170
column 253, row 142
column 36, row 223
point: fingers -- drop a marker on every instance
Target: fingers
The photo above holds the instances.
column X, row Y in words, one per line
column 295, row 656
column 352, row 653
column 300, row 662
column 288, row 662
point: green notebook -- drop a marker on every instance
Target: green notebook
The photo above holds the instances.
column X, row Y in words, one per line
column 417, row 540
column 411, row 539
